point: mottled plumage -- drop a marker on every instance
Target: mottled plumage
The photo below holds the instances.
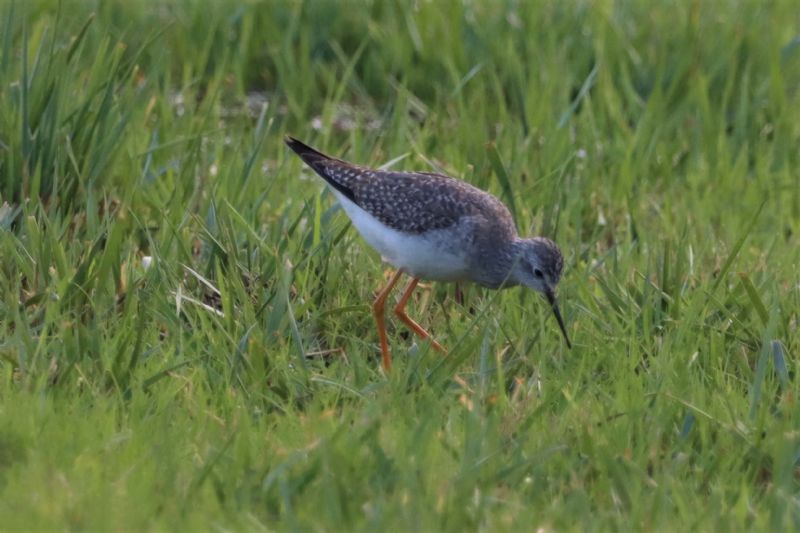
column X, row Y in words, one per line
column 435, row 227
column 414, row 202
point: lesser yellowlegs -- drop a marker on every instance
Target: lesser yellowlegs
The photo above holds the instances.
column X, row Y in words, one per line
column 434, row 227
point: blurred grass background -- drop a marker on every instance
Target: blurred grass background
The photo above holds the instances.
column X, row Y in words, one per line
column 235, row 383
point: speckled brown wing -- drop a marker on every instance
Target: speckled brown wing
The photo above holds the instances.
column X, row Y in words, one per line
column 416, row 203
column 413, row 202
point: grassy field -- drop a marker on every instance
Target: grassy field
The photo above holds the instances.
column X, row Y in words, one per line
column 236, row 382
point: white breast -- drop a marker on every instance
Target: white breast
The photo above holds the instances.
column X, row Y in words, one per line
column 431, row 255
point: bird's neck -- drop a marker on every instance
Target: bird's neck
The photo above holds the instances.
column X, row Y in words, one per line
column 500, row 272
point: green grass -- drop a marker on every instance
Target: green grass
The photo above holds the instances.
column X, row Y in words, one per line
column 236, row 383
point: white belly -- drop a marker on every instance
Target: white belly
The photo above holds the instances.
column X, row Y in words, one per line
column 430, row 256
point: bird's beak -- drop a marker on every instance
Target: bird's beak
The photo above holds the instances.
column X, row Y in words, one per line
column 551, row 297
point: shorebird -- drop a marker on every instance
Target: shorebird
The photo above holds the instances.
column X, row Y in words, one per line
column 437, row 228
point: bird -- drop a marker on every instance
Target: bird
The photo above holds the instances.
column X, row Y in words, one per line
column 434, row 227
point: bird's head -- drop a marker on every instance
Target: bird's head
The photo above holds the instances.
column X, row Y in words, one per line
column 538, row 266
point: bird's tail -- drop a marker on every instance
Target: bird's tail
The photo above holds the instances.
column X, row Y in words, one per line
column 306, row 153
column 329, row 168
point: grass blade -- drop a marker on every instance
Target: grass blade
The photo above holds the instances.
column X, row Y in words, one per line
column 755, row 299
column 502, row 176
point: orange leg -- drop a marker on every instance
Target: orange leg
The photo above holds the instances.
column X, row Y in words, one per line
column 378, row 307
column 400, row 311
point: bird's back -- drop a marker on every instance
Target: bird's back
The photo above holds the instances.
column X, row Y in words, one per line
column 411, row 202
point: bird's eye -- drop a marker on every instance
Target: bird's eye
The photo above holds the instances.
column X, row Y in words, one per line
column 538, row 273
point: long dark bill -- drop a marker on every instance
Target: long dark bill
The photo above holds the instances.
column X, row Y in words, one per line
column 551, row 297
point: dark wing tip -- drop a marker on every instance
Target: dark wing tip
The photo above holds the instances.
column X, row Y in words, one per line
column 321, row 164
column 310, row 156
column 303, row 150
column 293, row 143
